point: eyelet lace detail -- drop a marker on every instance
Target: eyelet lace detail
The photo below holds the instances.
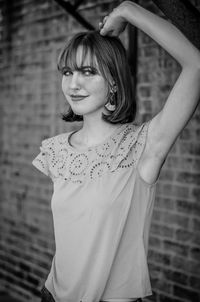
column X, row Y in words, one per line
column 58, row 160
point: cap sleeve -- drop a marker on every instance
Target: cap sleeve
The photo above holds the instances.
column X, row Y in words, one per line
column 41, row 161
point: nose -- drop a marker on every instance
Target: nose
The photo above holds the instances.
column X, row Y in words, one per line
column 75, row 81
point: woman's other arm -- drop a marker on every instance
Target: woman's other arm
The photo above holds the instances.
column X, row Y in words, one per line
column 183, row 98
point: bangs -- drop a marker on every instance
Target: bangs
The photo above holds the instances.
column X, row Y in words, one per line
column 69, row 55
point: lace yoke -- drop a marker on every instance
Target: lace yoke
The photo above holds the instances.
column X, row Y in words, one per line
column 58, row 159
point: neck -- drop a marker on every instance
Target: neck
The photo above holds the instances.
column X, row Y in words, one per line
column 95, row 129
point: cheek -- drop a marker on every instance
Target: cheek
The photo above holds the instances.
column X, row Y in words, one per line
column 99, row 88
column 65, row 90
column 64, row 85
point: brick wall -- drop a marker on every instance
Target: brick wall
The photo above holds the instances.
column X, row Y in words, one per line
column 31, row 34
column 174, row 254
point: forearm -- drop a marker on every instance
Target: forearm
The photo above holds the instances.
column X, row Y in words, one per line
column 164, row 33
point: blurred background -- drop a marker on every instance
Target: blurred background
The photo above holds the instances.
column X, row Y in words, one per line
column 31, row 101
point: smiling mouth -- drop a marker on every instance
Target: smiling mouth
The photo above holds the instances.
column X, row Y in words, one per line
column 77, row 98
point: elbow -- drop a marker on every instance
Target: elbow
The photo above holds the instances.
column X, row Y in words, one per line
column 192, row 64
column 192, row 69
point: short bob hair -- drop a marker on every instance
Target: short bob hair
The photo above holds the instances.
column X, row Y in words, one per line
column 110, row 55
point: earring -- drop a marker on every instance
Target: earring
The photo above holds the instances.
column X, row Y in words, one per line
column 110, row 105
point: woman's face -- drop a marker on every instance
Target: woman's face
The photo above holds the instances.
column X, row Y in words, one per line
column 84, row 88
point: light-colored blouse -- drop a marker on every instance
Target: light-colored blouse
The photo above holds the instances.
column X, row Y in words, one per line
column 102, row 210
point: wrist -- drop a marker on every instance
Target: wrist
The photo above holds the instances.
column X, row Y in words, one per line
column 129, row 11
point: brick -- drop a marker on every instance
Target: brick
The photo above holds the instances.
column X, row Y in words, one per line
column 194, row 282
column 155, row 241
column 189, row 148
column 195, row 193
column 181, row 163
column 176, row 248
column 196, row 224
column 195, row 253
column 24, row 267
column 162, row 230
column 177, row 277
column 144, row 91
column 197, row 134
column 167, row 175
column 161, row 284
column 187, row 207
column 147, row 105
column 186, row 134
column 159, row 257
column 196, row 238
column 184, row 235
column 175, row 219
column 144, row 77
column 164, row 203
column 173, row 190
column 186, row 293
column 186, row 265
column 149, row 51
column 181, row 191
column 33, row 280
column 156, row 270
column 157, row 215
column 186, row 177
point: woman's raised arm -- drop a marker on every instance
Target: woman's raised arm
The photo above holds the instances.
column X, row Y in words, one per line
column 183, row 98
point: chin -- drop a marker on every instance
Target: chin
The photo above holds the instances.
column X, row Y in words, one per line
column 87, row 111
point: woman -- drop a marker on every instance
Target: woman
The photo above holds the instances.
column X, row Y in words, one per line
column 105, row 174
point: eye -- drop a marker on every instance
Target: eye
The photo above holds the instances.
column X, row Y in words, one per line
column 66, row 72
column 89, row 71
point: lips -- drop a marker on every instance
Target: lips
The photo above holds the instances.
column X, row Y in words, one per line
column 77, row 98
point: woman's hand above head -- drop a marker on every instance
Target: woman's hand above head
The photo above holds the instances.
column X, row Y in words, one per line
column 115, row 23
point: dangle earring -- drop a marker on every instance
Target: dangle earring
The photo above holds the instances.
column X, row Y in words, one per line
column 110, row 105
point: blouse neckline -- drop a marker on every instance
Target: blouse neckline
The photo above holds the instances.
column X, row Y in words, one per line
column 96, row 145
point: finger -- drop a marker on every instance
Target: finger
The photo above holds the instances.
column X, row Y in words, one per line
column 104, row 19
column 105, row 32
column 107, row 27
column 102, row 28
column 100, row 25
column 102, row 32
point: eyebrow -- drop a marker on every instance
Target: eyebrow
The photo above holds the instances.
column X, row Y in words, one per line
column 80, row 68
